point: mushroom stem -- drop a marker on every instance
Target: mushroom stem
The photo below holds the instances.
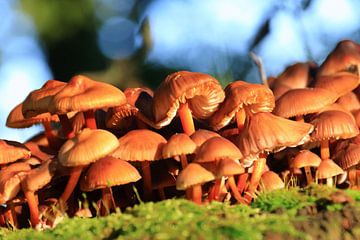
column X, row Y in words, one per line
column 324, row 150
column 162, row 193
column 71, row 184
column 299, row 118
column 309, row 178
column 186, row 119
column 240, row 119
column 33, row 207
column 197, row 194
column 213, row 195
column 259, row 166
column 66, row 126
column 9, row 217
column 108, row 201
column 330, row 182
column 51, row 138
column 241, row 184
column 183, row 161
column 145, row 168
column 90, row 120
column 234, row 190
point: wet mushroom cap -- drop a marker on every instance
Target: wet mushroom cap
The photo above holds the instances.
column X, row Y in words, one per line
column 10, row 151
column 38, row 101
column 333, row 125
column 16, row 119
column 177, row 145
column 201, row 91
column 299, row 102
column 86, row 147
column 252, row 97
column 82, row 94
column 217, row 148
column 108, row 172
column 265, row 132
column 327, row 169
column 140, row 145
column 192, row 175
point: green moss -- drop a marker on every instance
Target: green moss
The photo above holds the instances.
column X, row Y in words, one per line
column 182, row 219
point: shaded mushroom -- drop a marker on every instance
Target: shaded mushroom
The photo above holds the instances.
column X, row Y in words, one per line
column 193, row 176
column 144, row 146
column 106, row 173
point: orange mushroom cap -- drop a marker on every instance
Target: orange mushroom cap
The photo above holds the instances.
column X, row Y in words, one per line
column 86, row 147
column 140, row 145
column 82, row 94
column 327, row 169
column 270, row 181
column 265, row 132
column 252, row 97
column 10, row 151
column 345, row 56
column 16, row 119
column 305, row 158
column 107, row 172
column 333, row 125
column 192, row 175
column 177, row 145
column 216, row 149
column 202, row 92
column 38, row 101
column 299, row 102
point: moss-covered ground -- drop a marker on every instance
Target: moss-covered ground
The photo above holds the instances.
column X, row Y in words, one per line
column 312, row 213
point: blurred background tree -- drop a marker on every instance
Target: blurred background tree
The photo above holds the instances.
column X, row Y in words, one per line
column 139, row 42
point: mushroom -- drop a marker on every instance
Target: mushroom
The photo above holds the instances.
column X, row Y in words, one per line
column 86, row 95
column 332, row 125
column 242, row 99
column 192, row 177
column 143, row 146
column 348, row 159
column 86, row 147
column 10, row 151
column 201, row 135
column 306, row 159
column 350, row 102
column 339, row 83
column 178, row 146
column 345, row 57
column 16, row 119
column 299, row 102
column 105, row 173
column 270, row 181
column 265, row 132
column 214, row 150
column 188, row 94
column 327, row 170
column 39, row 101
column 228, row 168
column 10, row 185
column 34, row 180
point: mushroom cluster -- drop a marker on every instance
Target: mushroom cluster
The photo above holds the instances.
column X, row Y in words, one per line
column 103, row 149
